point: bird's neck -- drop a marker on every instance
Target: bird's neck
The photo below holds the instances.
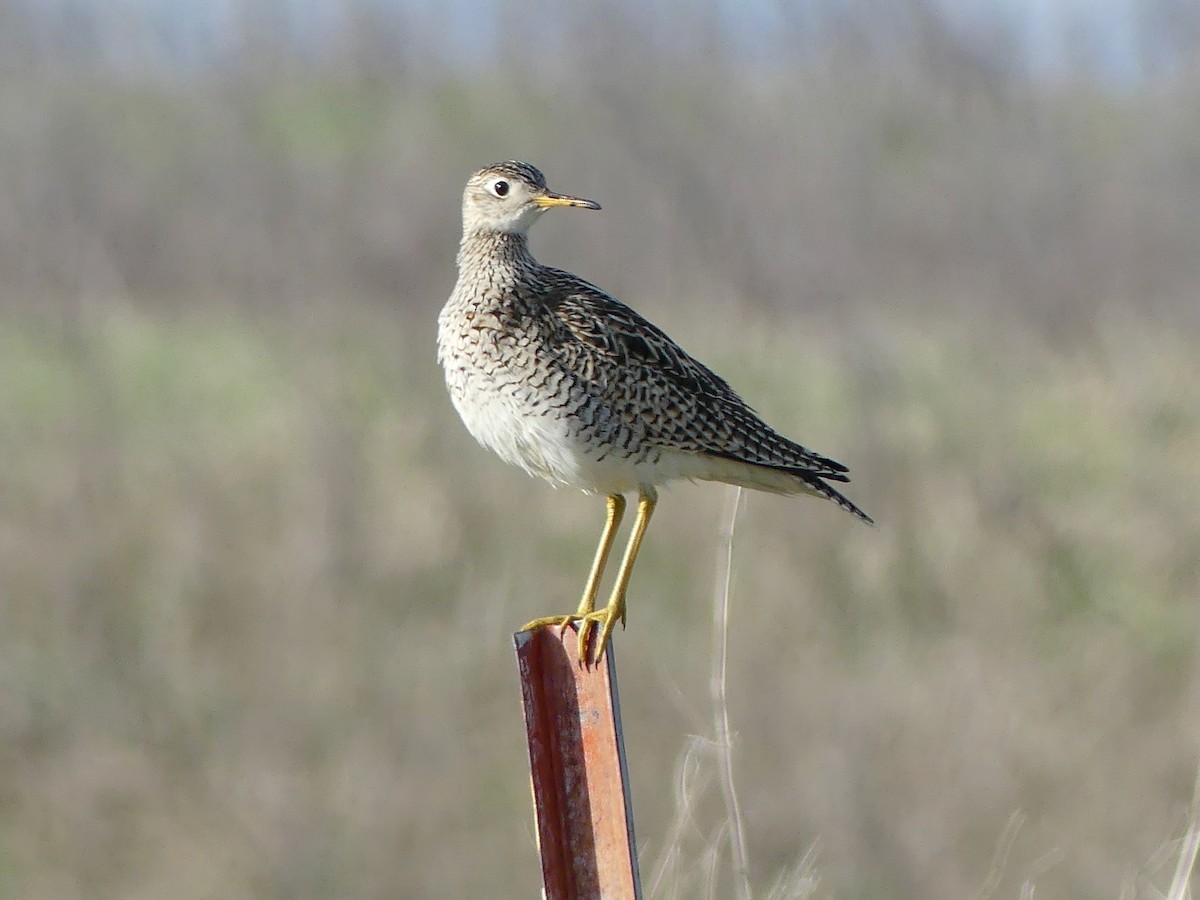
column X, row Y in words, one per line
column 494, row 254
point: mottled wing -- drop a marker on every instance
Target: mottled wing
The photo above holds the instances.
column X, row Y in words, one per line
column 669, row 397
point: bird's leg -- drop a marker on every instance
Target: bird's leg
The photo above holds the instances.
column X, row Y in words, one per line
column 615, row 510
column 607, row 617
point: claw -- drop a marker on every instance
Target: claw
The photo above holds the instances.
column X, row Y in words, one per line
column 547, row 621
column 607, row 619
column 585, row 631
column 584, row 626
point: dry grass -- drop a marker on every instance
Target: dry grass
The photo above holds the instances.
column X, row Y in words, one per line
column 258, row 584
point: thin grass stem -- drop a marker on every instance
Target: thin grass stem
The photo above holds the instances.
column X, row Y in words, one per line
column 720, row 707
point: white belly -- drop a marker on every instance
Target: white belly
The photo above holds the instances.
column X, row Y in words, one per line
column 543, row 445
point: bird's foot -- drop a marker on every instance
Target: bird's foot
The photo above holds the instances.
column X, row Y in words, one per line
column 606, row 619
column 547, row 621
column 585, row 624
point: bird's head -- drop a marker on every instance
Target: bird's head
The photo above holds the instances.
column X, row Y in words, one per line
column 508, row 197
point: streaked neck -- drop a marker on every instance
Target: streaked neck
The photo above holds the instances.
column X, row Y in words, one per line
column 494, row 250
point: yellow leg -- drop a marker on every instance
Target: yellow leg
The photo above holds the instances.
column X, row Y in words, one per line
column 616, row 509
column 607, row 617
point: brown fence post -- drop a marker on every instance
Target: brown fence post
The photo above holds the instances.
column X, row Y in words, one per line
column 578, row 769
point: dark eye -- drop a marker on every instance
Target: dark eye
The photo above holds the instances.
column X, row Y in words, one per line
column 500, row 188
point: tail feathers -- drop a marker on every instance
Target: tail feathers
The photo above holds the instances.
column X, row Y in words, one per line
column 822, row 468
column 775, row 479
column 832, row 466
column 820, row 487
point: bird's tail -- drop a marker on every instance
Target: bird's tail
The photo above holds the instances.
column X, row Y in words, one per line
column 777, row 479
column 821, row 489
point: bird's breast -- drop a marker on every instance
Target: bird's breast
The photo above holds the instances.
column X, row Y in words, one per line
column 520, row 400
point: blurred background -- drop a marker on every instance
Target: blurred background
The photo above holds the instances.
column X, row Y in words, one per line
column 257, row 583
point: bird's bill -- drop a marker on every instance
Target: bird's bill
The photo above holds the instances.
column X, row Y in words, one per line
column 548, row 199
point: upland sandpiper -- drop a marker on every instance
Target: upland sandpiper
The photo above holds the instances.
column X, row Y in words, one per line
column 561, row 379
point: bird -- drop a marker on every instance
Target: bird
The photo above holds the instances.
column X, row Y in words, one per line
column 570, row 384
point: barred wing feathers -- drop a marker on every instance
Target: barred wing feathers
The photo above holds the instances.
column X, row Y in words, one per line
column 675, row 401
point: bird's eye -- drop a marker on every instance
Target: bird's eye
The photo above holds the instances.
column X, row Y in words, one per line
column 500, row 188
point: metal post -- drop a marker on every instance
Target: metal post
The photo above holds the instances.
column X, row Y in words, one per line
column 578, row 769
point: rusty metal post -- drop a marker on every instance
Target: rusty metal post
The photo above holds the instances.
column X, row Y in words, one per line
column 577, row 766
